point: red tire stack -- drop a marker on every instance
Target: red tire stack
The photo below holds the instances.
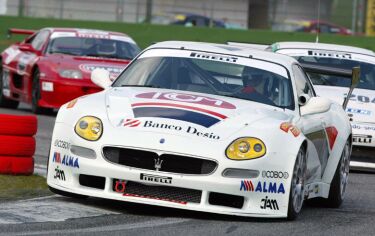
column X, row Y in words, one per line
column 17, row 144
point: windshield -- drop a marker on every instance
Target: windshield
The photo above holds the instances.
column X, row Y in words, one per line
column 93, row 47
column 210, row 77
column 367, row 80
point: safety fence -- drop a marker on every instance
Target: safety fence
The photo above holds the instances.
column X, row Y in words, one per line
column 17, row 144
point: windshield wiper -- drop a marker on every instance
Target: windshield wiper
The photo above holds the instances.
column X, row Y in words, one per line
column 62, row 52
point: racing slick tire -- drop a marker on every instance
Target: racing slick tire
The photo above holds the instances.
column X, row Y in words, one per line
column 67, row 194
column 16, row 165
column 297, row 187
column 340, row 179
column 36, row 95
column 17, row 146
column 5, row 102
column 18, row 125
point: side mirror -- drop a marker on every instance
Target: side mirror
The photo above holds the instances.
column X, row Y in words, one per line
column 101, row 78
column 315, row 105
column 356, row 73
column 303, row 99
column 26, row 47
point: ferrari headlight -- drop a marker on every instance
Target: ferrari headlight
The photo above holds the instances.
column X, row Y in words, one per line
column 70, row 74
column 245, row 149
column 89, row 128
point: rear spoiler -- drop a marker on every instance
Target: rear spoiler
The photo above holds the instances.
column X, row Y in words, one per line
column 353, row 75
column 19, row 31
column 258, row 46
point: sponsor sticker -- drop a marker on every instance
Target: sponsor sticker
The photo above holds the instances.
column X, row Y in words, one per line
column 188, row 98
column 287, row 126
column 358, row 111
column 269, row 204
column 166, row 126
column 47, row 86
column 156, row 178
column 262, row 187
column 62, row 144
column 67, row 160
column 275, row 174
column 59, row 174
column 114, row 71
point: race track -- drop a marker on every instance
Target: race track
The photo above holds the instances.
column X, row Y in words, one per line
column 58, row 215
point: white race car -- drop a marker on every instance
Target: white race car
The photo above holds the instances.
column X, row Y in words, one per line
column 361, row 106
column 204, row 127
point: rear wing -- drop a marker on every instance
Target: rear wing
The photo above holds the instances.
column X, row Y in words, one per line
column 353, row 75
column 258, row 46
column 19, row 31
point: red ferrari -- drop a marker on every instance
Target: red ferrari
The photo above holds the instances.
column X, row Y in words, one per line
column 53, row 65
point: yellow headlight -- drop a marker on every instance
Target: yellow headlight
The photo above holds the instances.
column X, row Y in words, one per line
column 89, row 128
column 245, row 149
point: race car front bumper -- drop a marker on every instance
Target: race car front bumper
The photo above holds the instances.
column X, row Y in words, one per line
column 363, row 152
column 57, row 92
column 262, row 195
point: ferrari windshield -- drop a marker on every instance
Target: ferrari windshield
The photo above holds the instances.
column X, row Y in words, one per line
column 367, row 79
column 95, row 47
column 242, row 78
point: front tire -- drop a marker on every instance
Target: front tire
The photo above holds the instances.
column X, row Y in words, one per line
column 5, row 102
column 297, row 187
column 36, row 95
column 340, row 179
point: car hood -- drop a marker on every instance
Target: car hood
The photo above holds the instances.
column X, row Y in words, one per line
column 87, row 64
column 361, row 106
column 184, row 113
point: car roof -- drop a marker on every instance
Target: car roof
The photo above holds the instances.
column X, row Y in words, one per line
column 88, row 31
column 322, row 46
column 281, row 59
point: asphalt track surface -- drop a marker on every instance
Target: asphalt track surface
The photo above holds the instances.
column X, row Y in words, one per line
column 55, row 215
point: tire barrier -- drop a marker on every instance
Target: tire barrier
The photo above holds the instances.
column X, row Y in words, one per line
column 18, row 125
column 17, row 144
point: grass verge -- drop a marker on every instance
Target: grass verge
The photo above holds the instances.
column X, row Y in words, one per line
column 146, row 34
column 22, row 187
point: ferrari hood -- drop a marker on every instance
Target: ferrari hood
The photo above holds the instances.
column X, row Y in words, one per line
column 361, row 106
column 87, row 64
column 184, row 113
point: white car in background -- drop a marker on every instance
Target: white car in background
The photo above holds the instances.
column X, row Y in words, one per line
column 361, row 106
column 204, row 127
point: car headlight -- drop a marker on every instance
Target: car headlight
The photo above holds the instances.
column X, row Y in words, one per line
column 89, row 128
column 70, row 74
column 245, row 149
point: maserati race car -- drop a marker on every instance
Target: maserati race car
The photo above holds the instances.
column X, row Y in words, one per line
column 361, row 106
column 53, row 65
column 204, row 127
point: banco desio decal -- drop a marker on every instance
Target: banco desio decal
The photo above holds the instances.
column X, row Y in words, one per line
column 188, row 98
column 157, row 125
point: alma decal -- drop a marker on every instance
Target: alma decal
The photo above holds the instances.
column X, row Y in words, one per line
column 262, row 187
column 66, row 160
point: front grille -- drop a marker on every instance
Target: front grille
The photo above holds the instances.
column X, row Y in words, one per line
column 166, row 193
column 168, row 162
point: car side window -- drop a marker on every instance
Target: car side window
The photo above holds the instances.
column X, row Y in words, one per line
column 303, row 83
column 40, row 39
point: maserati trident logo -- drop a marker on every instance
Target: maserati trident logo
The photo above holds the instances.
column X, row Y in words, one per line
column 158, row 163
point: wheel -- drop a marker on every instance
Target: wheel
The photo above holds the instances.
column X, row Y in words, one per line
column 297, row 188
column 5, row 102
column 67, row 194
column 36, row 95
column 340, row 179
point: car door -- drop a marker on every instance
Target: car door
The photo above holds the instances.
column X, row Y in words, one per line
column 313, row 126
